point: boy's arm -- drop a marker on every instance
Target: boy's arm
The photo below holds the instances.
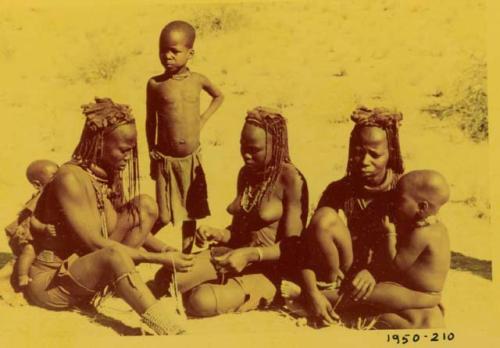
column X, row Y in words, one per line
column 39, row 227
column 217, row 99
column 150, row 117
column 410, row 249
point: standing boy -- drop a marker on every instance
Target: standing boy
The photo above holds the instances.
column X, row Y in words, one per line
column 173, row 125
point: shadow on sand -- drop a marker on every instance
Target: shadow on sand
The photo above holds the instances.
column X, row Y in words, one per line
column 461, row 262
column 118, row 326
column 4, row 258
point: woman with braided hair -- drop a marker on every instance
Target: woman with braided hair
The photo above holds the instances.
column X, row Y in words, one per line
column 350, row 257
column 240, row 272
column 99, row 233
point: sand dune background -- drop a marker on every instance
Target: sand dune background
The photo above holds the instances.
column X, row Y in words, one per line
column 316, row 61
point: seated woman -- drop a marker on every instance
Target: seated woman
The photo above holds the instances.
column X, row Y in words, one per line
column 270, row 209
column 356, row 255
column 98, row 234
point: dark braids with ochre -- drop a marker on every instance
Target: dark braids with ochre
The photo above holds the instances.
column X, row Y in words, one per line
column 102, row 117
column 274, row 124
column 382, row 118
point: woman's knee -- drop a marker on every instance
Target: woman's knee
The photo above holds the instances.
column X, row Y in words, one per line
column 164, row 217
column 325, row 221
column 116, row 259
column 147, row 206
column 202, row 301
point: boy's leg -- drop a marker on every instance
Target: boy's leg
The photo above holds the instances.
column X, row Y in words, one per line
column 395, row 297
column 188, row 233
column 388, row 321
column 427, row 318
column 164, row 214
column 24, row 263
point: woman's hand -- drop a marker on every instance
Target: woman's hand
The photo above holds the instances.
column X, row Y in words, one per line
column 363, row 284
column 175, row 259
column 320, row 309
column 206, row 234
column 234, row 261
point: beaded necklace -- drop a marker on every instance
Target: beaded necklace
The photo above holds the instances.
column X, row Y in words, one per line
column 253, row 194
column 102, row 190
column 181, row 76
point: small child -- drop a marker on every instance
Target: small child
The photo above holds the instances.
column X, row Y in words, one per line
column 418, row 244
column 173, row 125
column 27, row 227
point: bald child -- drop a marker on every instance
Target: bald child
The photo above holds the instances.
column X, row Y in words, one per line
column 27, row 228
column 418, row 246
column 173, row 126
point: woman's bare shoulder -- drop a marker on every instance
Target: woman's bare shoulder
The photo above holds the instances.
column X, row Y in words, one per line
column 290, row 176
column 71, row 178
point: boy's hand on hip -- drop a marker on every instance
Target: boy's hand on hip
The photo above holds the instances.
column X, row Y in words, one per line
column 154, row 155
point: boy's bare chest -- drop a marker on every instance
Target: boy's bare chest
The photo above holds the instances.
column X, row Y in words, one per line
column 175, row 92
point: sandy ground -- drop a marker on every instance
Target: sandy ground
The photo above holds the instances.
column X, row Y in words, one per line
column 316, row 61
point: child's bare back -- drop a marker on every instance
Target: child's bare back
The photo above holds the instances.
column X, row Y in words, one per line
column 417, row 244
column 428, row 272
column 27, row 229
column 422, row 258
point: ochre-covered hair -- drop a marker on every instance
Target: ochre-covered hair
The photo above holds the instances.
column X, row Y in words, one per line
column 382, row 118
column 274, row 124
column 102, row 117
